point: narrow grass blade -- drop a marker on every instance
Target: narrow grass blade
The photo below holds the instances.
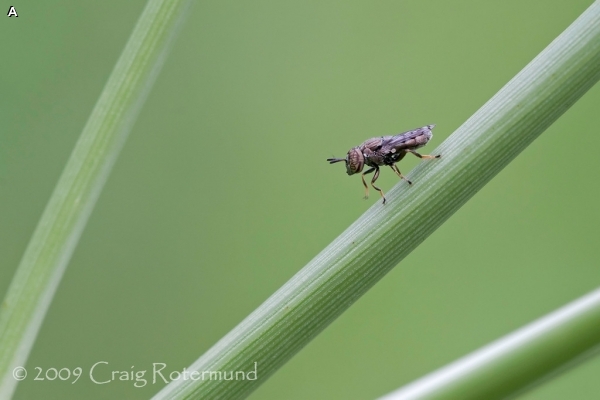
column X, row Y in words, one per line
column 384, row 235
column 518, row 361
column 63, row 220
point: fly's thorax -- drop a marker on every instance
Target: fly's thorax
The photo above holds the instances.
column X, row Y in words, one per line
column 375, row 160
column 354, row 161
column 393, row 157
column 372, row 144
column 372, row 158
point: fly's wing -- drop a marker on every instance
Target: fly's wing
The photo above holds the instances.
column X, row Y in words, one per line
column 408, row 140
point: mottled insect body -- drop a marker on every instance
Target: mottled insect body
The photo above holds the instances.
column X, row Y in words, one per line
column 385, row 150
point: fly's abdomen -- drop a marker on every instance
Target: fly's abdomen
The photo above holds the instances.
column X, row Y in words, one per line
column 412, row 139
column 420, row 140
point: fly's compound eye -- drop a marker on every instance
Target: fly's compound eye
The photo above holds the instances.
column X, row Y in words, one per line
column 354, row 161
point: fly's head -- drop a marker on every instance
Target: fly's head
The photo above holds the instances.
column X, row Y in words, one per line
column 354, row 161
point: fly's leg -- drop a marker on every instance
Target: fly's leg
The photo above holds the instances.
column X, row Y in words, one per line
column 394, row 167
column 375, row 187
column 424, row 156
column 365, row 183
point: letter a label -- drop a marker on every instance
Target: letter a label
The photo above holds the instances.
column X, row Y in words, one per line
column 12, row 12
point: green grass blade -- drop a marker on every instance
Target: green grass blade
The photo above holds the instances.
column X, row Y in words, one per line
column 384, row 235
column 63, row 220
column 518, row 361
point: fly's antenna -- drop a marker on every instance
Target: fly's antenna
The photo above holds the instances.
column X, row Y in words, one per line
column 334, row 160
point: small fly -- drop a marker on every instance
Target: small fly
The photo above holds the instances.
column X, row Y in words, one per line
column 385, row 150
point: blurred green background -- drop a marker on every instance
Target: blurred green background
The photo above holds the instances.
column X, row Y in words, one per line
column 222, row 191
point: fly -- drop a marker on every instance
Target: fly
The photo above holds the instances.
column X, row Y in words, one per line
column 385, row 150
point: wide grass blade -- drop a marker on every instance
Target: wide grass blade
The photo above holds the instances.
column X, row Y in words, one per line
column 384, row 235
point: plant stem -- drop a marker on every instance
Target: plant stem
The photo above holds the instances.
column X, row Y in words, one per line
column 518, row 361
column 384, row 235
column 63, row 220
